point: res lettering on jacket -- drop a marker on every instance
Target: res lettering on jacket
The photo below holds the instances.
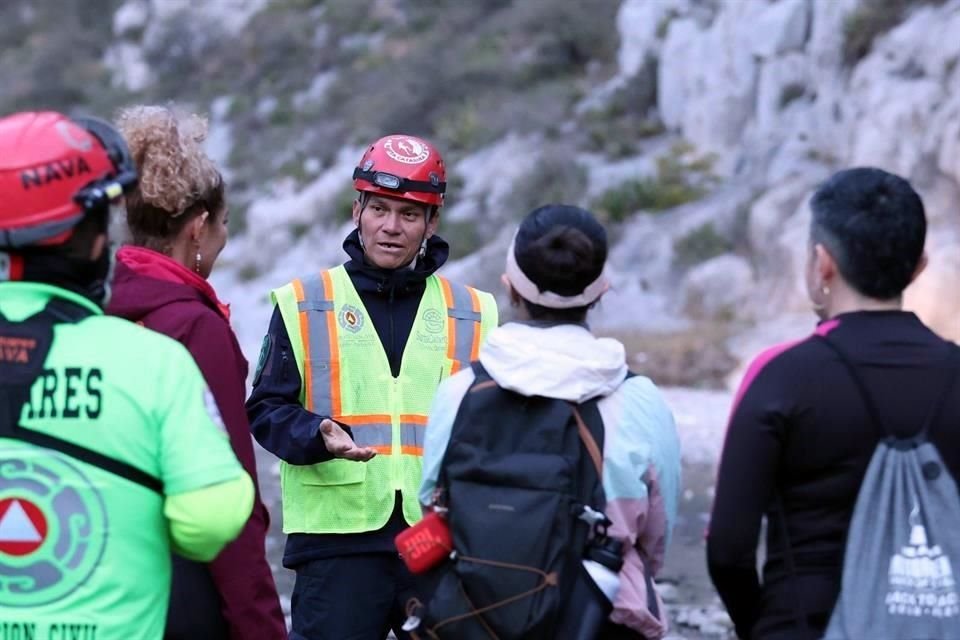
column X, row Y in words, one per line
column 67, row 393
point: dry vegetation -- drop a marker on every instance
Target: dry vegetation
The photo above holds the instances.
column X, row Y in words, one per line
column 696, row 357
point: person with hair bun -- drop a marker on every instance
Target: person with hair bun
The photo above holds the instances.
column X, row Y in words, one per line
column 177, row 217
column 554, row 275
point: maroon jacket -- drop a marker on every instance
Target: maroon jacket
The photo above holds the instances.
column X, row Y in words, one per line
column 196, row 319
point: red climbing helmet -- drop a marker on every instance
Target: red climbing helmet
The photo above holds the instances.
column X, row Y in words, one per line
column 54, row 171
column 400, row 166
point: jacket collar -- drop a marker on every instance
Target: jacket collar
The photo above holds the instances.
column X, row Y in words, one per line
column 23, row 299
column 153, row 264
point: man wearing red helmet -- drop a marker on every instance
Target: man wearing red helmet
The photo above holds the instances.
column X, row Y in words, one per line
column 347, row 373
column 112, row 452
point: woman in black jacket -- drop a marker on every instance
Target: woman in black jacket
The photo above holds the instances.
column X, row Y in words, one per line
column 799, row 434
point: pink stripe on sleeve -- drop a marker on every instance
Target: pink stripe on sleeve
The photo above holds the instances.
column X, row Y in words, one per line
column 827, row 327
column 756, row 367
column 767, row 357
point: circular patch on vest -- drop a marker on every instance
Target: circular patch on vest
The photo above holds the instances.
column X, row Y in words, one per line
column 53, row 528
column 351, row 318
column 433, row 320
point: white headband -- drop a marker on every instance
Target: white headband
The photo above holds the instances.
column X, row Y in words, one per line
column 531, row 292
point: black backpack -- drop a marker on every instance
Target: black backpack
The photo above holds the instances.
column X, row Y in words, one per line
column 19, row 369
column 521, row 482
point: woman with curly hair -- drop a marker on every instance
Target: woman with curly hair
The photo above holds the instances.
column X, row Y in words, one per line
column 177, row 217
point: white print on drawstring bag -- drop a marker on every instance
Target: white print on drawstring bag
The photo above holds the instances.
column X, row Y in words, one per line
column 902, row 543
column 921, row 577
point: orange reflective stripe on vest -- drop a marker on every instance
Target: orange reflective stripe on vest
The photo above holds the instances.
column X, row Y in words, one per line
column 463, row 327
column 346, row 375
column 321, row 373
column 319, row 332
column 376, row 432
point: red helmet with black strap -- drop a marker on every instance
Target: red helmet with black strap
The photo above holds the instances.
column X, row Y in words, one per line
column 54, row 171
column 405, row 167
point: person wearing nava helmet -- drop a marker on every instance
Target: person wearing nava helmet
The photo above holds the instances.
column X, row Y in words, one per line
column 347, row 373
column 113, row 453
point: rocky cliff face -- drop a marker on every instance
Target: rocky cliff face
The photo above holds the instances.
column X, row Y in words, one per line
column 696, row 128
column 756, row 101
column 774, row 89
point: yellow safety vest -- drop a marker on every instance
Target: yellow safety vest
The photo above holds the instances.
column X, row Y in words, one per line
column 346, row 375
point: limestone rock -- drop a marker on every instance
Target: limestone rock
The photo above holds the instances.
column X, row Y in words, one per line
column 781, row 27
column 718, row 288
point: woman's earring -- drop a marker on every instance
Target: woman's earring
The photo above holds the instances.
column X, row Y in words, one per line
column 821, row 306
column 197, row 267
column 423, row 248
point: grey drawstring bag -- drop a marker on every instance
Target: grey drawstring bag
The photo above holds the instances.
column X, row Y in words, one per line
column 903, row 545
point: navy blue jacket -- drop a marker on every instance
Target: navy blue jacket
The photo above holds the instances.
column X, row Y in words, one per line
column 283, row 427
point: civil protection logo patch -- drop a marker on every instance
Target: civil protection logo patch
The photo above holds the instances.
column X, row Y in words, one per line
column 350, row 318
column 53, row 528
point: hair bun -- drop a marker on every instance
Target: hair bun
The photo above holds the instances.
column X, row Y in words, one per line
column 561, row 248
column 167, row 146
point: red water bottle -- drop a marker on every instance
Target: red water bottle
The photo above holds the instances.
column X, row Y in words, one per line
column 425, row 544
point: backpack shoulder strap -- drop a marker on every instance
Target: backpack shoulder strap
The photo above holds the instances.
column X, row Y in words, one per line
column 91, row 457
column 953, row 363
column 861, row 387
column 589, row 435
column 482, row 379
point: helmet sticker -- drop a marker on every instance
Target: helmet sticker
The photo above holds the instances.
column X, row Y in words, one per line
column 65, row 129
column 406, row 150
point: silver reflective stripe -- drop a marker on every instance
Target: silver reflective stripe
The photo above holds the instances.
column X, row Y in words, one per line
column 471, row 315
column 377, row 434
column 412, row 434
column 466, row 322
column 316, row 304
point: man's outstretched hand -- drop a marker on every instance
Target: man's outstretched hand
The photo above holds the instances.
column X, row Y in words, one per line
column 341, row 445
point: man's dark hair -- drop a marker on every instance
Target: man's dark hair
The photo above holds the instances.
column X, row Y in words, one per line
column 874, row 225
column 562, row 249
